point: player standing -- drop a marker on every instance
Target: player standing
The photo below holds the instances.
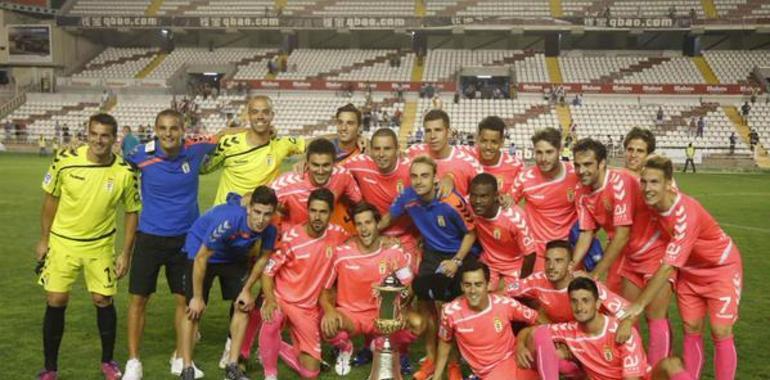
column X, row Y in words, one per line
column 638, row 144
column 507, row 247
column 221, row 244
column 490, row 141
column 83, row 188
column 348, row 120
column 708, row 267
column 251, row 158
column 480, row 323
column 292, row 284
column 452, row 163
column 348, row 300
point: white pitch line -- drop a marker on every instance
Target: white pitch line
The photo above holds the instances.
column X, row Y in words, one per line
column 750, row 228
column 729, row 194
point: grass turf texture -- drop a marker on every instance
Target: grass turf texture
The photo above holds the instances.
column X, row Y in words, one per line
column 741, row 203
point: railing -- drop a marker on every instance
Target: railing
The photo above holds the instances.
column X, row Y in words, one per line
column 15, row 102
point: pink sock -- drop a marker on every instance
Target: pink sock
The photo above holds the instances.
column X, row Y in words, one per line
column 255, row 323
column 342, row 341
column 725, row 359
column 290, row 355
column 270, row 344
column 402, row 339
column 660, row 340
column 570, row 369
column 693, row 354
column 681, row 376
column 547, row 360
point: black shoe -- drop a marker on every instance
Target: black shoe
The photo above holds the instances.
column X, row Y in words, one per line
column 233, row 372
column 363, row 357
column 187, row 374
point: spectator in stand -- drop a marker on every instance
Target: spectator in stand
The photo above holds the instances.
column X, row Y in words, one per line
column 577, row 100
column 754, row 94
column 733, row 140
column 41, row 146
column 693, row 15
column 701, row 127
column 690, row 153
column 692, row 127
column 753, row 138
column 745, row 109
column 8, row 130
column 456, row 99
column 659, row 116
column 65, row 134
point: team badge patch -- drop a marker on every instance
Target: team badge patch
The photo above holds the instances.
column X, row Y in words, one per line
column 269, row 160
column 47, row 179
column 400, row 186
column 500, row 182
column 441, row 221
column 185, row 167
column 607, row 354
column 110, row 185
column 383, row 267
column 496, row 233
column 329, row 251
column 498, row 325
column 571, row 194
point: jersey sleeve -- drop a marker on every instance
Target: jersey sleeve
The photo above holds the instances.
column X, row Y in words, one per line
column 216, row 158
column 398, row 208
column 623, row 199
column 217, row 233
column 524, row 239
column 524, row 288
column 634, row 359
column 132, row 201
column 352, row 191
column 203, row 144
column 332, row 278
column 517, row 188
column 268, row 240
column 446, row 326
column 685, row 234
column 586, row 221
column 612, row 303
column 134, row 156
column 518, row 312
column 51, row 181
column 463, row 217
column 281, row 255
column 297, row 145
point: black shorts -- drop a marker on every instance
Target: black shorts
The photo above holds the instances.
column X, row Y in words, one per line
column 150, row 253
column 231, row 276
column 429, row 285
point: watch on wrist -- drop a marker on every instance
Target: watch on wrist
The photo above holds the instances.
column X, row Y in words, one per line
column 457, row 261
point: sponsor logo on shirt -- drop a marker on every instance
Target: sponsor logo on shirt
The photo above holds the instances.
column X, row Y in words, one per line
column 185, row 167
column 607, row 353
column 441, row 221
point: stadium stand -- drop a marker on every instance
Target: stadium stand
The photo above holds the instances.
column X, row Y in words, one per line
column 735, row 66
column 117, row 63
column 365, row 8
column 41, row 113
column 759, row 118
column 676, row 70
column 196, row 56
column 443, row 64
column 120, row 7
column 309, row 63
column 590, row 68
column 742, row 9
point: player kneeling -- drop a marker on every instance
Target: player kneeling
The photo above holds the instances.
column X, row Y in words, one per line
column 480, row 323
column 359, row 264
column 220, row 244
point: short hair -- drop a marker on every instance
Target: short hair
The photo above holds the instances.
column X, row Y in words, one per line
column 555, row 244
column 321, row 146
column 436, row 115
column 104, row 119
column 264, row 98
column 322, row 194
column 127, row 127
column 586, row 144
column 493, row 123
column 362, row 207
column 550, row 135
column 386, row 132
column 424, row 160
column 472, row 266
column 484, row 179
column 583, row 283
column 349, row 108
column 661, row 163
column 641, row 134
column 264, row 195
column 170, row 113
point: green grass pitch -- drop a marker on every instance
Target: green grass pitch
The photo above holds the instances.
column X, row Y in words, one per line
column 741, row 203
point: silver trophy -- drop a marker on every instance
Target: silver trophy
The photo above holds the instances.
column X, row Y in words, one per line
column 385, row 364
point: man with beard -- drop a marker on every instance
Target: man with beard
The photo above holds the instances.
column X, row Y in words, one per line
column 292, row 283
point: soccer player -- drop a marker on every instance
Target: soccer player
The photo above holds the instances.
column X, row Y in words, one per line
column 449, row 236
column 453, row 164
column 292, row 283
column 549, row 191
column 708, row 268
column 549, row 288
column 590, row 340
column 480, row 324
column 612, row 199
column 507, row 247
column 490, row 141
column 348, row 120
column 83, row 188
column 220, row 245
column 251, row 158
column 293, row 189
column 359, row 264
column 169, row 167
column 638, row 144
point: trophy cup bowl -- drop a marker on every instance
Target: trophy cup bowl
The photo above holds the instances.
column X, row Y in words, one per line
column 385, row 365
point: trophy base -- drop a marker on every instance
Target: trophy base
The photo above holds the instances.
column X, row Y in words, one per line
column 395, row 370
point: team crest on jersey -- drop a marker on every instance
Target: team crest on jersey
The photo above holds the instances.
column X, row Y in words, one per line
column 500, row 182
column 497, row 233
column 185, row 167
column 441, row 221
column 498, row 325
column 47, row 179
column 110, row 185
column 400, row 186
column 383, row 267
column 329, row 251
column 607, row 354
column 269, row 160
column 571, row 194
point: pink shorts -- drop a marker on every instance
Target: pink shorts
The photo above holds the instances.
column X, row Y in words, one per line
column 509, row 369
column 507, row 277
column 363, row 322
column 717, row 295
column 305, row 327
column 412, row 247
